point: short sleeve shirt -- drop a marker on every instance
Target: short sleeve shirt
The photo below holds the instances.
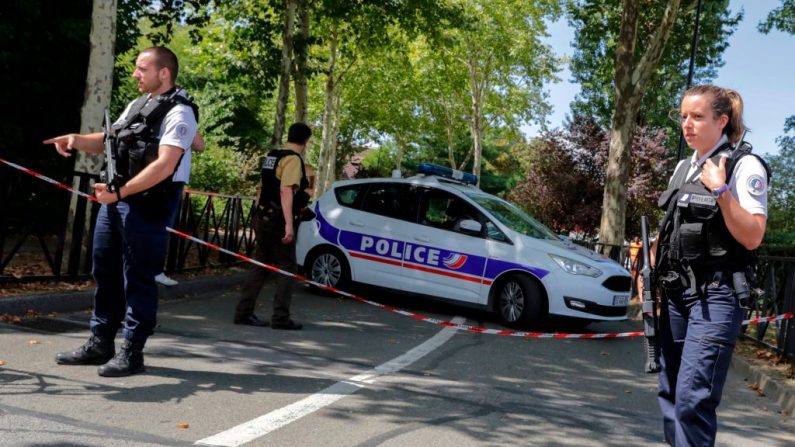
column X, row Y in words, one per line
column 748, row 183
column 289, row 171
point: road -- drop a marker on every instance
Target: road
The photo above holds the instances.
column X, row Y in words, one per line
column 357, row 375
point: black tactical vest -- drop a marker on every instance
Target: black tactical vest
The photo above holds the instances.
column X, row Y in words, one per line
column 270, row 199
column 137, row 140
column 693, row 233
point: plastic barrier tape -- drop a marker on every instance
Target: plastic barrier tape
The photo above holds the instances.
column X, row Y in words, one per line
column 462, row 327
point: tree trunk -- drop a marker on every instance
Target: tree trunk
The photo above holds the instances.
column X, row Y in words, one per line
column 99, row 85
column 301, row 55
column 631, row 81
column 327, row 146
column 476, row 120
column 284, row 75
column 331, row 165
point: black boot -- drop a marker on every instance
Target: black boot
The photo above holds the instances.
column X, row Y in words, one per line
column 129, row 360
column 96, row 351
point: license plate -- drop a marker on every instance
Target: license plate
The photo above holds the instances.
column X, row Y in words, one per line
column 621, row 300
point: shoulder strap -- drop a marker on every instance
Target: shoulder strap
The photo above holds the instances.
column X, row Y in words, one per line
column 735, row 156
column 135, row 110
column 680, row 175
column 179, row 99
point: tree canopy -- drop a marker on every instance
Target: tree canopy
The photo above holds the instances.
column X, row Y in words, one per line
column 597, row 24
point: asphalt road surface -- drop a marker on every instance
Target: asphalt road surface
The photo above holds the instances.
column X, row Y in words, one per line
column 357, row 375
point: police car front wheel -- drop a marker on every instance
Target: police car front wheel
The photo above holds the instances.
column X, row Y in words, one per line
column 518, row 301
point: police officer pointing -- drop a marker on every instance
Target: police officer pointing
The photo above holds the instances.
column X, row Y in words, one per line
column 715, row 217
column 130, row 236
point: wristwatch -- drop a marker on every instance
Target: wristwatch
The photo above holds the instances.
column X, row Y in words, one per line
column 716, row 193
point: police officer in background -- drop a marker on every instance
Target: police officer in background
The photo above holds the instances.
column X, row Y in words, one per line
column 282, row 198
column 716, row 213
column 130, row 236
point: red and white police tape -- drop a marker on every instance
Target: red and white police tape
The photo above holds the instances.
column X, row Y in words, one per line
column 462, row 327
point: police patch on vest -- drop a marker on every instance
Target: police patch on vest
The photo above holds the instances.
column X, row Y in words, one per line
column 269, row 163
column 756, row 185
column 696, row 199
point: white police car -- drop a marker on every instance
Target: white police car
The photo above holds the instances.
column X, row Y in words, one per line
column 437, row 235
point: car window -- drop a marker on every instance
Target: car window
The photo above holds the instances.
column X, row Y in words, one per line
column 394, row 200
column 513, row 217
column 351, row 195
column 440, row 209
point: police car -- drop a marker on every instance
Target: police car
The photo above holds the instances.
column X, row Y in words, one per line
column 437, row 235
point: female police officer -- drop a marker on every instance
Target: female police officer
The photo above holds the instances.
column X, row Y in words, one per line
column 716, row 213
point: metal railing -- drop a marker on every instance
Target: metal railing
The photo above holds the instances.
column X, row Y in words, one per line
column 37, row 243
column 223, row 220
column 774, row 295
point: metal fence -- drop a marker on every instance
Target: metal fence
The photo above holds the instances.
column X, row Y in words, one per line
column 37, row 243
column 774, row 295
column 223, row 220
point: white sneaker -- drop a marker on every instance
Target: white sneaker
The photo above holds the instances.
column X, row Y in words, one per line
column 165, row 280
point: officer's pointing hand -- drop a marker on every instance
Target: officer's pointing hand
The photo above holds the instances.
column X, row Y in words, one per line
column 62, row 144
column 714, row 176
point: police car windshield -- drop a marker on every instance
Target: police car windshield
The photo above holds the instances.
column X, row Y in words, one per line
column 513, row 217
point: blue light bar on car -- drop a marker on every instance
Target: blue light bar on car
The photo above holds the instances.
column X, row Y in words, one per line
column 443, row 171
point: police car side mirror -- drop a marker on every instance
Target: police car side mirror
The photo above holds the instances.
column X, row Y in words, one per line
column 470, row 226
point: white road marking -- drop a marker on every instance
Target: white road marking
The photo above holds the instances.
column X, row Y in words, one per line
column 261, row 426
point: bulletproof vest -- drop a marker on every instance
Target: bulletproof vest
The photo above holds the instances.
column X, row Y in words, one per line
column 693, row 232
column 136, row 142
column 137, row 137
column 270, row 198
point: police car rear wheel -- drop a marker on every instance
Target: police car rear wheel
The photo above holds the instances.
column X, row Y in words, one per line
column 329, row 267
column 518, row 301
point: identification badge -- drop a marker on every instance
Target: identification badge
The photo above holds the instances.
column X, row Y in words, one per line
column 699, row 199
column 696, row 199
column 269, row 163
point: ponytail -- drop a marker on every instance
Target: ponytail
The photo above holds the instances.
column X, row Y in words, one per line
column 727, row 102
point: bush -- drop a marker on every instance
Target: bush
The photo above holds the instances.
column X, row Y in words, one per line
column 223, row 170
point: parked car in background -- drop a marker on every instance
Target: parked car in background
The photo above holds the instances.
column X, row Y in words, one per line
column 437, row 235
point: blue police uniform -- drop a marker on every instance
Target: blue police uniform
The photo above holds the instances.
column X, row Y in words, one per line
column 130, row 236
column 698, row 264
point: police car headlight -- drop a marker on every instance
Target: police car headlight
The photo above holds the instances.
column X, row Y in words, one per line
column 575, row 267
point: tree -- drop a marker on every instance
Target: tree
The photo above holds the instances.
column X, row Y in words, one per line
column 781, row 18
column 345, row 29
column 595, row 43
column 301, row 42
column 505, row 62
column 782, row 192
column 781, row 198
column 657, row 74
column 99, row 85
column 565, row 175
column 286, row 66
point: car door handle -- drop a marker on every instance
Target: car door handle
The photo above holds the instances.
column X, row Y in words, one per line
column 356, row 223
column 422, row 238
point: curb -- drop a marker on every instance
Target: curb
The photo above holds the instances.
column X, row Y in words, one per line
column 77, row 301
column 783, row 395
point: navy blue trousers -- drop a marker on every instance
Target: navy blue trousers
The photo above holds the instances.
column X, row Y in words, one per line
column 697, row 336
column 129, row 250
